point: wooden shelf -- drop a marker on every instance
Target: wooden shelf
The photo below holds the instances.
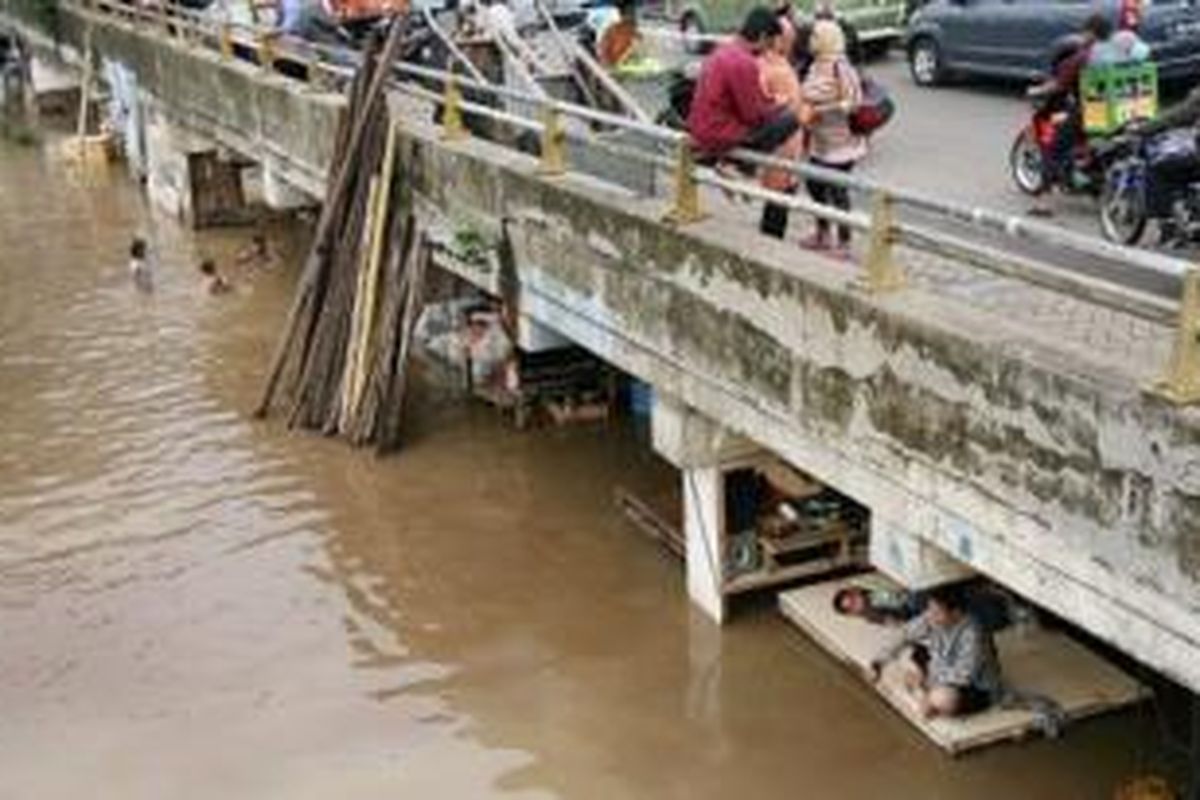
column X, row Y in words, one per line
column 764, row 578
column 799, row 542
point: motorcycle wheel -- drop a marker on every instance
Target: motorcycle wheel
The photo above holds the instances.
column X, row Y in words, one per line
column 1123, row 211
column 1026, row 164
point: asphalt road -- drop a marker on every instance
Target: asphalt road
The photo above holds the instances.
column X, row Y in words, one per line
column 952, row 142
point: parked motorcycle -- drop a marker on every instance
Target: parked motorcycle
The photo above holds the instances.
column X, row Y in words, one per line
column 1153, row 177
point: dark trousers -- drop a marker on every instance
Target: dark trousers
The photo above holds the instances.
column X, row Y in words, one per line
column 766, row 138
column 774, row 220
column 772, row 133
column 1059, row 161
column 829, row 195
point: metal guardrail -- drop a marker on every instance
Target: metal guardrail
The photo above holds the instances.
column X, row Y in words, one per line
column 1181, row 381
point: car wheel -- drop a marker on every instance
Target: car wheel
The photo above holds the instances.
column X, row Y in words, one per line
column 1026, row 164
column 925, row 62
column 691, row 29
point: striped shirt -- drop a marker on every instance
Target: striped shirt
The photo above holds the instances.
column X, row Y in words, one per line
column 833, row 88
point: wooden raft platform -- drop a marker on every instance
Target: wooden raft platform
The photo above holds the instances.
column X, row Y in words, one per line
column 1039, row 661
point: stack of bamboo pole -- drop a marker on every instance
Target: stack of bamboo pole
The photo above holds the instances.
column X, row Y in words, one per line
column 341, row 365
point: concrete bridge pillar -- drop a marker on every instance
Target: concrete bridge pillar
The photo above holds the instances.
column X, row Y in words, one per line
column 188, row 177
column 700, row 448
column 167, row 149
column 703, row 508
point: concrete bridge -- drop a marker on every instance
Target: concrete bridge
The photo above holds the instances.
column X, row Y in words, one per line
column 989, row 422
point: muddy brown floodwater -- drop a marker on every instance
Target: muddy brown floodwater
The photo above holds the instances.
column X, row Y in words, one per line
column 196, row 605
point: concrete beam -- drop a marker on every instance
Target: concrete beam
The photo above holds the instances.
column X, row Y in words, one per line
column 1041, row 464
column 910, row 559
column 686, row 438
column 1017, row 455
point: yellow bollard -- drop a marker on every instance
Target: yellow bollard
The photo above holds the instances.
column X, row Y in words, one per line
column 554, row 142
column 266, row 51
column 884, row 274
column 686, row 207
column 164, row 19
column 226, row 41
column 453, row 128
column 1181, row 382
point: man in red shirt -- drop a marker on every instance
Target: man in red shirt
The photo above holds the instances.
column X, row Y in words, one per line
column 729, row 109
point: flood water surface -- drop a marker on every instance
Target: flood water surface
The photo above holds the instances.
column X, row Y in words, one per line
column 194, row 604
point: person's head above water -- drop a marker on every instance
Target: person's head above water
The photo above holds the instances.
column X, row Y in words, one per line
column 137, row 248
column 208, row 267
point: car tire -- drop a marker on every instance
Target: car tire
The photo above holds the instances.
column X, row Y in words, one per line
column 925, row 62
column 691, row 28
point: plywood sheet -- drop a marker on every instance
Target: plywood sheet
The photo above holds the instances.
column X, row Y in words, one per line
column 1039, row 661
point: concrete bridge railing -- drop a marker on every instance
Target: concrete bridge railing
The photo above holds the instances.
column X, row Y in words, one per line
column 1000, row 419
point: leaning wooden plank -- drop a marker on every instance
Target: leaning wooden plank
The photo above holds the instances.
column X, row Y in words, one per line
column 339, row 183
column 397, row 396
column 317, row 401
column 1038, row 661
column 292, row 350
column 366, row 298
column 391, row 308
column 650, row 522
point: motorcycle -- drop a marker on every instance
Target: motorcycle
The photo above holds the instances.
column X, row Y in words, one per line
column 1153, row 177
column 1030, row 152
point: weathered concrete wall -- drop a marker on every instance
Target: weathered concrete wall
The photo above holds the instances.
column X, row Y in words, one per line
column 1047, row 469
column 263, row 116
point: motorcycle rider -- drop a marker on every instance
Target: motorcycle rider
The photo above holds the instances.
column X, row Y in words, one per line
column 1062, row 89
column 1167, row 178
column 1181, row 115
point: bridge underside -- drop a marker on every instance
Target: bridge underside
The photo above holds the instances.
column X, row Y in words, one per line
column 973, row 440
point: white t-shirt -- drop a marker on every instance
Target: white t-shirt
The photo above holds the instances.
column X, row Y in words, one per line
column 143, row 277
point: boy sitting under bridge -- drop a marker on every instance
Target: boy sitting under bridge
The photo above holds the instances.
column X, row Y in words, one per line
column 953, row 669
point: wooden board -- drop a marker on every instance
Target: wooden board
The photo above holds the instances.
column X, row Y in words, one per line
column 1040, row 661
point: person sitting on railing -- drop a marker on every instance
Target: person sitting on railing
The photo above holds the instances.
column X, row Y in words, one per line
column 618, row 40
column 834, row 90
column 729, row 108
column 781, row 84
